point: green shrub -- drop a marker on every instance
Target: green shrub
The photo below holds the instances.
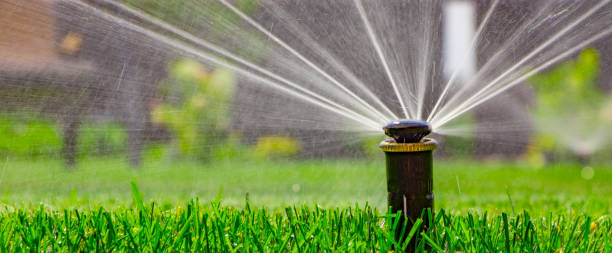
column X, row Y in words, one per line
column 198, row 120
column 28, row 137
column 570, row 113
column 276, row 147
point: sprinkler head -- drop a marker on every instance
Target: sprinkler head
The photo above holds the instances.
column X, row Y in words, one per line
column 409, row 159
column 407, row 131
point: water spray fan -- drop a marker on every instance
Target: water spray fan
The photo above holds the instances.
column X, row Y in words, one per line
column 409, row 159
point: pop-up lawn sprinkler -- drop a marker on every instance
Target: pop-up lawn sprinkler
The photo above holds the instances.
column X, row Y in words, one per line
column 409, row 168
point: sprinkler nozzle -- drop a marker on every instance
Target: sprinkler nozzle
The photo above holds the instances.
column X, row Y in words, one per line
column 407, row 131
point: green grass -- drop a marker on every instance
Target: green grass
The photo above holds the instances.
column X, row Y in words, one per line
column 296, row 205
column 460, row 186
column 215, row 228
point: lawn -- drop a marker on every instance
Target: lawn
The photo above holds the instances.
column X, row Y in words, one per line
column 297, row 205
column 215, row 228
column 460, row 186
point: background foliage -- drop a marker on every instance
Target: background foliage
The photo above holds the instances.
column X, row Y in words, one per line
column 198, row 116
column 571, row 111
column 27, row 135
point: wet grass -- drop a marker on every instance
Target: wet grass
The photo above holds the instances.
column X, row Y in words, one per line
column 460, row 186
column 216, row 228
column 288, row 205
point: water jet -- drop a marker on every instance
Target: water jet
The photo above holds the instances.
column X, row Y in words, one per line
column 409, row 161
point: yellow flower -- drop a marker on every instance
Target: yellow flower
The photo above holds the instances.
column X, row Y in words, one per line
column 593, row 226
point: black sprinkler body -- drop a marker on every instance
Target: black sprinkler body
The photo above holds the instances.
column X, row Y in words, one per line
column 409, row 159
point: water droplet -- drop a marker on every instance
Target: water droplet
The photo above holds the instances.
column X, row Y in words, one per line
column 295, row 187
column 587, row 173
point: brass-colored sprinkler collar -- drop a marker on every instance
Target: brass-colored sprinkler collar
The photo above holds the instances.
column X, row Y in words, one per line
column 426, row 144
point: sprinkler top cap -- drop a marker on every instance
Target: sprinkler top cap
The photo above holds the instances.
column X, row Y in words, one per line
column 407, row 131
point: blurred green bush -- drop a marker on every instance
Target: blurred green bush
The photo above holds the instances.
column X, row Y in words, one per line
column 196, row 108
column 28, row 136
column 273, row 146
column 572, row 114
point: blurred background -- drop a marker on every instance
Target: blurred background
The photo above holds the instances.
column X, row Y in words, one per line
column 86, row 106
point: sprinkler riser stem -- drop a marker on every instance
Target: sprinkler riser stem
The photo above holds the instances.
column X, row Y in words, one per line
column 409, row 182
